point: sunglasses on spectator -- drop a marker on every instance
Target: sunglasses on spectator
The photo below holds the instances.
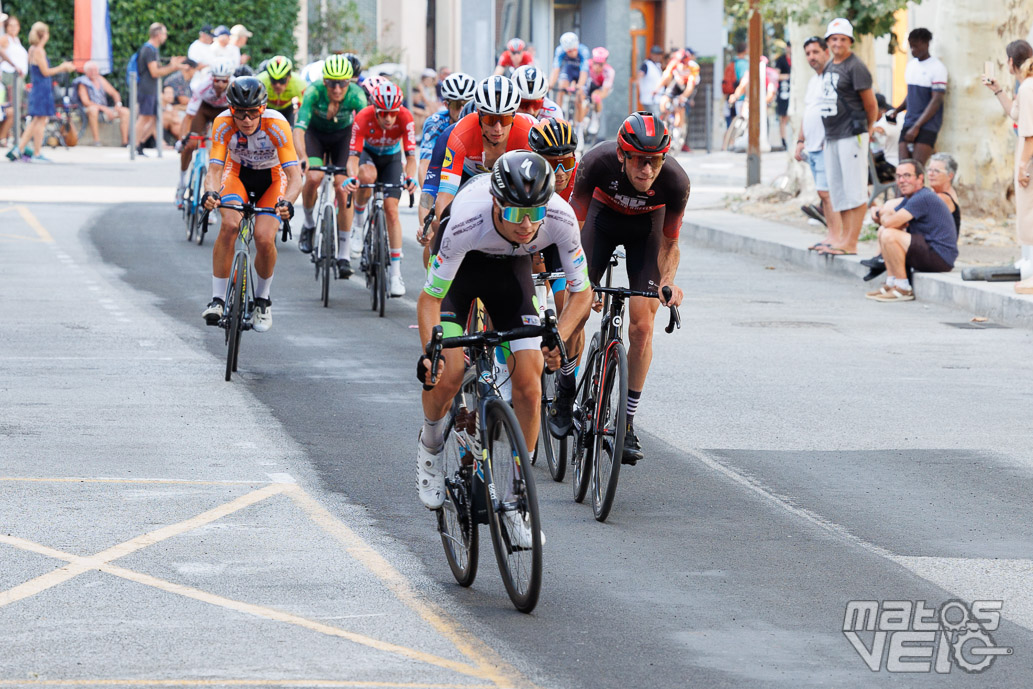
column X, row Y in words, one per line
column 492, row 120
column 564, row 164
column 253, row 114
column 516, row 214
column 534, row 105
column 336, row 83
column 640, row 160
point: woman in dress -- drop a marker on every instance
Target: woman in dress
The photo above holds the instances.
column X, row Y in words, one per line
column 41, row 97
column 1020, row 63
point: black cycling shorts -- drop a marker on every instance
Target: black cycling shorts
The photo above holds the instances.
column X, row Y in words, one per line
column 389, row 170
column 203, row 118
column 331, row 147
column 605, row 229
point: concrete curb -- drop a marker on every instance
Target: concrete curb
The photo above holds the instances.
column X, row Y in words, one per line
column 727, row 231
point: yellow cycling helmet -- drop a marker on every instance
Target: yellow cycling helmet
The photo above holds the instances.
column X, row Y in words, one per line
column 337, row 67
column 279, row 67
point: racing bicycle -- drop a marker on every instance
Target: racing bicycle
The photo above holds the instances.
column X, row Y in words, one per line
column 240, row 294
column 325, row 241
column 190, row 203
column 487, row 472
column 554, row 449
column 601, row 400
column 376, row 252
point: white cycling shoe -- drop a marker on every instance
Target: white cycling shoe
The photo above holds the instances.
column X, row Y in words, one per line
column 356, row 243
column 519, row 528
column 397, row 287
column 262, row 318
column 430, row 480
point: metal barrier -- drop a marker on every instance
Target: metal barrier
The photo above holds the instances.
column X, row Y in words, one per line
column 16, row 108
column 134, row 110
column 159, row 129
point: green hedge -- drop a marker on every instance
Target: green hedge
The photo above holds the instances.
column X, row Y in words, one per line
column 272, row 22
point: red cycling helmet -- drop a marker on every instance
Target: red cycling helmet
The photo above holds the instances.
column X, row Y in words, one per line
column 387, row 97
column 515, row 45
column 643, row 132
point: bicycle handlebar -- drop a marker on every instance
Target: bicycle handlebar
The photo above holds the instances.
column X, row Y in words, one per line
column 624, row 292
column 383, row 185
column 332, row 169
column 540, row 278
column 492, row 338
column 249, row 209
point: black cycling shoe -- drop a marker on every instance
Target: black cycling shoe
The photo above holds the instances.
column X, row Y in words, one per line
column 632, row 447
column 344, row 268
column 561, row 415
column 305, row 240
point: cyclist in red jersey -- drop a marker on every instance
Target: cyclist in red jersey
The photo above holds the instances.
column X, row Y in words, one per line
column 480, row 138
column 515, row 55
column 380, row 132
column 631, row 195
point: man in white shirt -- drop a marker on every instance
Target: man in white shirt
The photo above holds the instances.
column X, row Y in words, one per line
column 224, row 49
column 238, row 37
column 810, row 143
column 649, row 73
column 200, row 51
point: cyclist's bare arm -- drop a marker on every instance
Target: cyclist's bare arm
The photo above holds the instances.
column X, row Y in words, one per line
column 295, row 181
column 299, row 148
column 440, row 204
column 553, row 77
column 582, row 78
column 499, row 70
column 668, row 260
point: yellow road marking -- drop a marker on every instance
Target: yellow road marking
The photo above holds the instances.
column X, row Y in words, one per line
column 487, row 660
column 175, row 481
column 233, row 683
column 23, row 237
column 35, row 224
column 78, row 565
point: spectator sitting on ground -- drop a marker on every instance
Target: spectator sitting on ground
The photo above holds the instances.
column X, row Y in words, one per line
column 92, row 90
column 919, row 235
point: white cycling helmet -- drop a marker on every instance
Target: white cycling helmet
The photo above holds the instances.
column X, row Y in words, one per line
column 223, row 68
column 569, row 41
column 458, row 86
column 497, row 95
column 530, row 83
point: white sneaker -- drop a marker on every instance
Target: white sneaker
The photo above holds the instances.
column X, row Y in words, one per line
column 397, row 286
column 356, row 243
column 430, row 481
column 262, row 318
column 519, row 528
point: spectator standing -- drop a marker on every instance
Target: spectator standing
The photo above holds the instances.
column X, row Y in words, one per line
column 920, row 234
column 238, row 37
column 649, row 73
column 14, row 62
column 41, row 97
column 223, row 50
column 926, row 79
column 810, row 143
column 1020, row 63
column 783, row 65
column 93, row 91
column 443, row 73
column 149, row 67
column 848, row 113
column 200, row 51
column 740, row 67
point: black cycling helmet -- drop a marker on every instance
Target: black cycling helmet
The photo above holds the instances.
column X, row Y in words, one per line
column 356, row 63
column 553, row 138
column 643, row 132
column 246, row 92
column 243, row 71
column 522, row 179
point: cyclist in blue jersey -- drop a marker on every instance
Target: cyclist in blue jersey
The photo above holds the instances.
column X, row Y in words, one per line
column 570, row 67
column 456, row 91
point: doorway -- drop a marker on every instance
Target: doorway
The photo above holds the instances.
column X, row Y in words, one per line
column 643, row 36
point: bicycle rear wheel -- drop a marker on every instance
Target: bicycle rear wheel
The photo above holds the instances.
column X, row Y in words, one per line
column 611, row 426
column 383, row 261
column 456, row 520
column 235, row 312
column 197, row 210
column 326, row 255
column 581, row 449
column 511, row 479
column 370, row 257
column 555, row 449
column 187, row 207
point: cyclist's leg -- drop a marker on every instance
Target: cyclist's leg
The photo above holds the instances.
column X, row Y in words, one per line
column 642, row 245
column 345, row 215
column 561, row 89
column 233, row 191
column 316, row 150
column 267, row 225
column 389, row 169
column 367, row 175
column 455, row 308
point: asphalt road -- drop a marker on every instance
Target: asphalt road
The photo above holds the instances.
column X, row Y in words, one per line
column 804, row 448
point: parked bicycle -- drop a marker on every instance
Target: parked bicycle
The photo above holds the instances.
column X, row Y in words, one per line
column 487, row 475
column 190, row 203
column 601, row 399
column 376, row 252
column 325, row 241
column 240, row 296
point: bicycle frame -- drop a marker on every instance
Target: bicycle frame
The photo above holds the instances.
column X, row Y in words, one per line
column 245, row 234
column 326, row 203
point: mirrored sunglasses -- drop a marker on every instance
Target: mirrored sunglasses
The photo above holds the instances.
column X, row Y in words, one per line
column 336, row 83
column 641, row 160
column 533, row 105
column 492, row 120
column 565, row 164
column 253, row 114
column 515, row 214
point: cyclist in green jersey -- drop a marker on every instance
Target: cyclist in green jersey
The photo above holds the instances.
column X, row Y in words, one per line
column 323, row 128
column 282, row 85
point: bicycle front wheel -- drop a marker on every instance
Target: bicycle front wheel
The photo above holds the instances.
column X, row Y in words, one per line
column 235, row 312
column 326, row 255
column 555, row 449
column 197, row 210
column 383, row 261
column 611, row 426
column 581, row 450
column 456, row 520
column 516, row 531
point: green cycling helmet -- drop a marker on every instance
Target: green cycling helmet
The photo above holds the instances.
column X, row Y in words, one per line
column 279, row 67
column 337, row 67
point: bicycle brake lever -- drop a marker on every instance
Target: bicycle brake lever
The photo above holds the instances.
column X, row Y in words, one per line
column 412, row 199
column 675, row 316
column 349, row 205
column 286, row 234
column 204, row 222
column 434, row 352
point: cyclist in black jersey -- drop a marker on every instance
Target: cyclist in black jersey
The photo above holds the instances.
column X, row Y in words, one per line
column 630, row 194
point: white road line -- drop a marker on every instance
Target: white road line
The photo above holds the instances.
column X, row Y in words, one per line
column 281, row 478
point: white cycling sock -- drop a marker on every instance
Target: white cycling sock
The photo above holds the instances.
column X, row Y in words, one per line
column 219, row 287
column 343, row 239
column 182, row 177
column 396, row 262
column 433, row 436
column 309, row 220
column 262, row 286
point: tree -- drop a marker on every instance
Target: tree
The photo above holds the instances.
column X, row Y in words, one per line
column 872, row 17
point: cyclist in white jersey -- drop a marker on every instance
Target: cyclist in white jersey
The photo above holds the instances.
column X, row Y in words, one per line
column 533, row 87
